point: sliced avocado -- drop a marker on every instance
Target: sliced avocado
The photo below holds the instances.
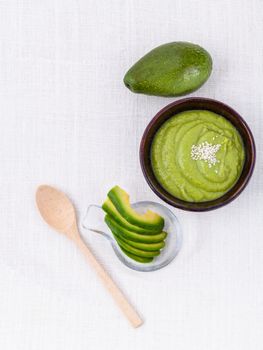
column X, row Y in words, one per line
column 137, row 258
column 135, row 251
column 121, row 201
column 110, row 209
column 143, row 246
column 133, row 236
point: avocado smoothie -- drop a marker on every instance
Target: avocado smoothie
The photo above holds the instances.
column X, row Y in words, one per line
column 197, row 155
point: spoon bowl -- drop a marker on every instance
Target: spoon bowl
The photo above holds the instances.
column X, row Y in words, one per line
column 56, row 209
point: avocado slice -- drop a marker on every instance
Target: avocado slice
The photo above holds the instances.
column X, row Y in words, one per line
column 143, row 246
column 172, row 69
column 135, row 251
column 137, row 258
column 149, row 220
column 133, row 236
column 110, row 209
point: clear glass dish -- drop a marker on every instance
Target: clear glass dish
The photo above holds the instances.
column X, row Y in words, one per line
column 94, row 221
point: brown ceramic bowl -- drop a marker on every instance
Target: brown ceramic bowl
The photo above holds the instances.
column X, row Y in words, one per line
column 190, row 104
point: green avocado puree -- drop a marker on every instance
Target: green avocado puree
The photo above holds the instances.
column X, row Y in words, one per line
column 196, row 179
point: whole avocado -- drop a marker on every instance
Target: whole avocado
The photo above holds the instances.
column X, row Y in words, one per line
column 171, row 69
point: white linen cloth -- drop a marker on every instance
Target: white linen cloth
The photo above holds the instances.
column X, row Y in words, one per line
column 67, row 120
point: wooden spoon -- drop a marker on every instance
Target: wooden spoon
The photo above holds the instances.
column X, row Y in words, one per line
column 58, row 211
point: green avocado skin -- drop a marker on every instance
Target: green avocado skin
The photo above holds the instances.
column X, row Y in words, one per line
column 172, row 69
column 119, row 199
column 136, row 251
column 110, row 209
column 132, row 236
column 135, row 257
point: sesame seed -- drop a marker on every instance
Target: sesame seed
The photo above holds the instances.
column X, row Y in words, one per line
column 205, row 151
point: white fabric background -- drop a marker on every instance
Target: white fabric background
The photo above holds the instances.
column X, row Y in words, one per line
column 67, row 120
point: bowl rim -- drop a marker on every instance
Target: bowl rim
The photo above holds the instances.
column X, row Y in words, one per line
column 242, row 128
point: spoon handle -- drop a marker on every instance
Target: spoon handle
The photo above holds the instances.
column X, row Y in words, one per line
column 114, row 290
